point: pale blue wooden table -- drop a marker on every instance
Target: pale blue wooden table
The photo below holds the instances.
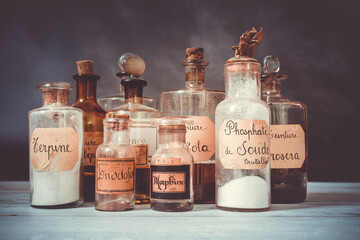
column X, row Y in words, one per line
column 331, row 211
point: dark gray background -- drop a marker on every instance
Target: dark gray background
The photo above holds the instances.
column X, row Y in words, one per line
column 316, row 42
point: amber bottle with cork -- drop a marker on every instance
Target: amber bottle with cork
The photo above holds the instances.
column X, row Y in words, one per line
column 289, row 155
column 198, row 103
column 143, row 136
column 86, row 82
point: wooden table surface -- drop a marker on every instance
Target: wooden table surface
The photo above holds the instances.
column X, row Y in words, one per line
column 331, row 211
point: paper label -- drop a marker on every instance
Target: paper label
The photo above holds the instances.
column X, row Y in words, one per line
column 200, row 138
column 244, row 144
column 141, row 133
column 170, row 182
column 287, row 146
column 91, row 141
column 166, row 161
column 54, row 149
column 115, row 175
column 142, row 154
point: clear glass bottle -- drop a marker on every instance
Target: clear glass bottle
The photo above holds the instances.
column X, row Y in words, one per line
column 172, row 167
column 143, row 136
column 93, row 122
column 115, row 167
column 242, row 139
column 289, row 155
column 198, row 103
column 56, row 140
column 114, row 101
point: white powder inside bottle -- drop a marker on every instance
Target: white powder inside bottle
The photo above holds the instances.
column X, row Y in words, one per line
column 249, row 192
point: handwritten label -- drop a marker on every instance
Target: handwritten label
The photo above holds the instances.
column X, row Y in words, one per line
column 142, row 133
column 170, row 182
column 91, row 141
column 287, row 146
column 115, row 175
column 54, row 149
column 200, row 138
column 244, row 144
column 166, row 161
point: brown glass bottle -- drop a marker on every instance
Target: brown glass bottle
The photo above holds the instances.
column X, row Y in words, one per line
column 143, row 135
column 93, row 122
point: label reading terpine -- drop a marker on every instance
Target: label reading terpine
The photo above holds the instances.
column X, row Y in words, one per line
column 170, row 182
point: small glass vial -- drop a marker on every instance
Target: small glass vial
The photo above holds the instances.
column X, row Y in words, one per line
column 93, row 122
column 143, row 136
column 242, row 139
column 114, row 101
column 56, row 140
column 172, row 167
column 289, row 155
column 115, row 167
column 198, row 103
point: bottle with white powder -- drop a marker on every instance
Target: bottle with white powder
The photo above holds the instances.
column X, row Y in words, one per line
column 242, row 133
column 56, row 140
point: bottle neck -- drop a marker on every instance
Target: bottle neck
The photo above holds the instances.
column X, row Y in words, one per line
column 86, row 86
column 171, row 136
column 133, row 88
column 194, row 77
column 242, row 80
column 58, row 97
column 271, row 87
column 116, row 135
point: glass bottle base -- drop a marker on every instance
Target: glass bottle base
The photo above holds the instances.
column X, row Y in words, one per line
column 204, row 183
column 114, row 206
column 142, row 193
column 67, row 205
column 170, row 206
column 288, row 194
column 89, row 186
column 243, row 209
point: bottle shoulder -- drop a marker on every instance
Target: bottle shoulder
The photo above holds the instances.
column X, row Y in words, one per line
column 193, row 91
column 180, row 152
column 241, row 102
column 89, row 106
column 283, row 101
column 106, row 150
column 51, row 108
column 134, row 108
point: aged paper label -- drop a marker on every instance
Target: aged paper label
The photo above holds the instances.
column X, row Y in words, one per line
column 244, row 144
column 91, row 141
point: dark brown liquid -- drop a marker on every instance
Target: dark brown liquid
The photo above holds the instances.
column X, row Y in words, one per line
column 204, row 183
column 142, row 190
column 288, row 185
column 89, row 184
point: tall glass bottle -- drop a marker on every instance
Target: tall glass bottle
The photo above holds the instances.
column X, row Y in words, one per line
column 93, row 122
column 242, row 136
column 114, row 101
column 172, row 167
column 198, row 103
column 289, row 156
column 56, row 138
column 115, row 167
column 143, row 136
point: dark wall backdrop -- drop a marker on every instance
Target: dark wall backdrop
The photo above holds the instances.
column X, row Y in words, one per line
column 316, row 42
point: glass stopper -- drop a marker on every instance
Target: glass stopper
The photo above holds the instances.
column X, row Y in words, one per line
column 271, row 64
column 132, row 64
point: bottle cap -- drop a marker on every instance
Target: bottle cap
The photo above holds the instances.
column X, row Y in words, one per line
column 132, row 64
column 271, row 68
column 85, row 66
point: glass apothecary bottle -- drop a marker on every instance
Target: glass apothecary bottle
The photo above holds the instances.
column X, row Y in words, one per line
column 172, row 167
column 56, row 138
column 115, row 167
column 93, row 122
column 114, row 101
column 143, row 136
column 242, row 138
column 198, row 103
column 289, row 155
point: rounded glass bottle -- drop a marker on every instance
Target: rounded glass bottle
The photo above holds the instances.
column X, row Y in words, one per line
column 115, row 167
column 172, row 167
column 289, row 155
column 56, row 138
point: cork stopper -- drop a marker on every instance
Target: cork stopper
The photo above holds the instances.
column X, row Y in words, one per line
column 85, row 67
column 194, row 53
column 132, row 64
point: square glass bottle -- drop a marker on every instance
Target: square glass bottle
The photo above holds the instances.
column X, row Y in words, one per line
column 93, row 122
column 56, row 140
column 198, row 103
column 289, row 155
column 143, row 135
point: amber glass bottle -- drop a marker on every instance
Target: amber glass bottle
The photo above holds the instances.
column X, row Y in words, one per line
column 93, row 122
